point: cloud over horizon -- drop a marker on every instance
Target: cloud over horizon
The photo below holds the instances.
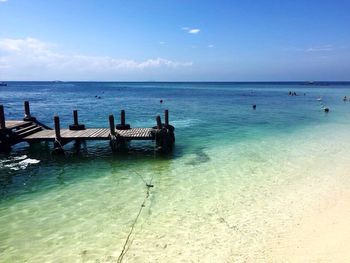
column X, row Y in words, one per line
column 191, row 30
column 33, row 58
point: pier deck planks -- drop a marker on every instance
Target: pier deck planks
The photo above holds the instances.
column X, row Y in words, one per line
column 92, row 134
column 15, row 124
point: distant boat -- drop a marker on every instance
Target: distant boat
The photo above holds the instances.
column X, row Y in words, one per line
column 310, row 83
column 3, row 84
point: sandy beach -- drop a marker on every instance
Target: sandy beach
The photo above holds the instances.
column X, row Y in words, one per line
column 323, row 233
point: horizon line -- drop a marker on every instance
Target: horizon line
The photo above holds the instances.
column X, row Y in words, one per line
column 187, row 81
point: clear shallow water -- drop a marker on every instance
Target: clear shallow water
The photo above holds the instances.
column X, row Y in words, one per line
column 235, row 177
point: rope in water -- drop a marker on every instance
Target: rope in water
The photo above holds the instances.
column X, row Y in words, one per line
column 148, row 185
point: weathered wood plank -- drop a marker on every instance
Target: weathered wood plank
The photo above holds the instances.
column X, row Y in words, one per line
column 103, row 133
column 95, row 134
column 15, row 124
column 90, row 134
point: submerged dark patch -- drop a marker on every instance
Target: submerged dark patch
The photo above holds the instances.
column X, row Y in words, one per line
column 200, row 157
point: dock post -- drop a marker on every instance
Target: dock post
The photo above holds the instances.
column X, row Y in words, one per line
column 2, row 118
column 159, row 122
column 164, row 134
column 122, row 125
column 56, row 120
column 26, row 110
column 76, row 126
column 58, row 148
column 27, row 116
column 75, row 117
column 122, row 117
column 5, row 144
column 116, row 142
column 159, row 135
column 111, row 124
column 166, row 118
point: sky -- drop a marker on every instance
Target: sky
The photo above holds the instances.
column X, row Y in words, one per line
column 178, row 40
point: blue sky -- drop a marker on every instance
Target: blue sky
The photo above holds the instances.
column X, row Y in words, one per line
column 176, row 40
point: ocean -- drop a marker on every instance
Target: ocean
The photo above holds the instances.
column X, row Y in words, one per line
column 236, row 178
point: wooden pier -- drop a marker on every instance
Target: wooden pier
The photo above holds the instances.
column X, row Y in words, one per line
column 30, row 130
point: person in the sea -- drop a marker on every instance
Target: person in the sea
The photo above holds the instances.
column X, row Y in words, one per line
column 345, row 98
column 161, row 101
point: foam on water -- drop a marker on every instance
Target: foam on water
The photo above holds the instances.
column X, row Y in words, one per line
column 17, row 162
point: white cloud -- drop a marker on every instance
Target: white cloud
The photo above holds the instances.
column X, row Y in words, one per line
column 319, row 48
column 210, row 46
column 3, row 0
column 191, row 30
column 38, row 58
column 194, row 31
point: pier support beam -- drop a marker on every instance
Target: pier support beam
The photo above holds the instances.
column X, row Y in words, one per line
column 58, row 146
column 122, row 125
column 5, row 144
column 166, row 118
column 27, row 116
column 76, row 126
column 159, row 122
column 2, row 118
column 111, row 125
column 116, row 142
column 165, row 137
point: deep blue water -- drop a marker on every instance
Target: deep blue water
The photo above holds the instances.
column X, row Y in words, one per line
column 203, row 113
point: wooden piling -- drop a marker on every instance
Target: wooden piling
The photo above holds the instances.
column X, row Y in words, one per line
column 122, row 125
column 76, row 126
column 75, row 117
column 166, row 118
column 159, row 122
column 26, row 109
column 27, row 115
column 2, row 118
column 56, row 120
column 58, row 144
column 5, row 144
column 122, row 117
column 111, row 124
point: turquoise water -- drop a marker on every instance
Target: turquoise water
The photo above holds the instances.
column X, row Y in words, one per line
column 234, row 179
